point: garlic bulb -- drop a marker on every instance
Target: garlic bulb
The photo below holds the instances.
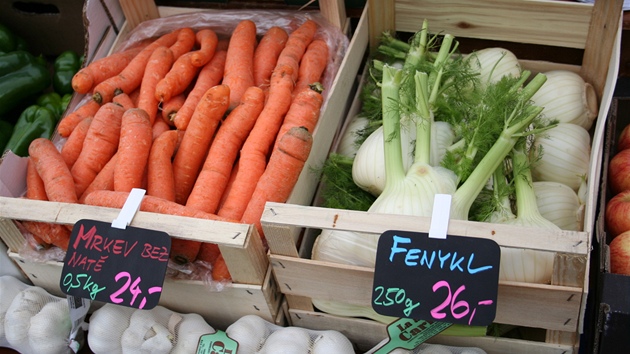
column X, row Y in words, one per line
column 188, row 331
column 494, row 63
column 147, row 332
column 250, row 332
column 9, row 288
column 106, row 327
column 287, row 340
column 50, row 328
column 566, row 154
column 559, row 204
column 568, row 98
column 329, row 341
column 26, row 304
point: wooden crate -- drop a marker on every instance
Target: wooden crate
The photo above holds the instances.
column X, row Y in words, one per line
column 253, row 290
column 555, row 311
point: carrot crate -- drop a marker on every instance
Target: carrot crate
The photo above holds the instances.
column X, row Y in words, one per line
column 586, row 40
column 253, row 289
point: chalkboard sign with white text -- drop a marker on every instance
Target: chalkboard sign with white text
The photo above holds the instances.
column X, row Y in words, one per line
column 120, row 266
column 452, row 280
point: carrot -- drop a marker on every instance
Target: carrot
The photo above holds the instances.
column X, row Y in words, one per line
column 36, row 190
column 304, row 111
column 209, row 75
column 215, row 173
column 71, row 120
column 72, row 147
column 179, row 77
column 99, row 70
column 124, row 100
column 185, row 42
column 133, row 95
column 169, row 108
column 239, row 66
column 159, row 126
column 220, row 270
column 158, row 66
column 131, row 76
column 104, row 180
column 228, row 186
column 181, row 250
column 312, row 65
column 296, row 45
column 253, row 158
column 207, row 41
column 100, row 144
column 209, row 253
column 266, row 54
column 54, row 234
column 134, row 146
column 160, row 180
column 53, row 171
column 283, row 170
column 196, row 141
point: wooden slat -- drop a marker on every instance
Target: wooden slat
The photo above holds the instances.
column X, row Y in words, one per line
column 556, row 307
column 505, row 235
column 138, row 11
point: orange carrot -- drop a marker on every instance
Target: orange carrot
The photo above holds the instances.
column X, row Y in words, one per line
column 134, row 96
column 171, row 107
column 35, row 188
column 177, row 80
column 296, row 45
column 239, row 62
column 100, row 144
column 54, row 234
column 257, row 146
column 304, row 111
column 124, row 100
column 185, row 42
column 134, row 146
column 196, row 141
column 207, row 41
column 43, row 233
column 215, row 173
column 160, row 126
column 266, row 54
column 208, row 252
column 158, row 65
column 181, row 250
column 228, row 186
column 104, row 180
column 131, row 77
column 72, row 147
column 53, row 171
column 99, row 70
column 209, row 75
column 160, row 180
column 220, row 270
column 71, row 120
column 285, row 165
column 312, row 65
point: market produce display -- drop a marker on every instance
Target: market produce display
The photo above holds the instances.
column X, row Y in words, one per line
column 238, row 133
column 475, row 126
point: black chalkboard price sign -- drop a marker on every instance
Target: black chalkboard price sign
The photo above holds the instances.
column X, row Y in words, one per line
column 452, row 280
column 121, row 266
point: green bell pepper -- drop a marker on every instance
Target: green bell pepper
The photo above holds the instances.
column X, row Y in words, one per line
column 19, row 85
column 65, row 66
column 15, row 60
column 6, row 129
column 34, row 122
column 52, row 101
column 8, row 40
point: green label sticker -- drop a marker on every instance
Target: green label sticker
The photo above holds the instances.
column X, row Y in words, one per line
column 216, row 343
column 408, row 334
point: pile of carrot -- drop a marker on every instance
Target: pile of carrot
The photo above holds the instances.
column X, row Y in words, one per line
column 210, row 127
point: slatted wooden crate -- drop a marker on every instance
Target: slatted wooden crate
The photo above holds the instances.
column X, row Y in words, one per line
column 253, row 290
column 556, row 310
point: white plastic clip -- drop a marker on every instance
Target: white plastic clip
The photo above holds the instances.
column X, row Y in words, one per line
column 441, row 215
column 128, row 211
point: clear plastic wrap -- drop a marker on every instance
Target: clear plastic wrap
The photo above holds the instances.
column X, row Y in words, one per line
column 428, row 348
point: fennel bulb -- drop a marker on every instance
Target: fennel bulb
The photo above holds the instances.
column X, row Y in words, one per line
column 494, row 63
column 566, row 154
column 568, row 98
column 560, row 204
column 348, row 144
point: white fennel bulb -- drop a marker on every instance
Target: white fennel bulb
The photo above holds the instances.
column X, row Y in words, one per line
column 568, row 98
column 347, row 145
column 566, row 150
column 494, row 63
column 560, row 204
